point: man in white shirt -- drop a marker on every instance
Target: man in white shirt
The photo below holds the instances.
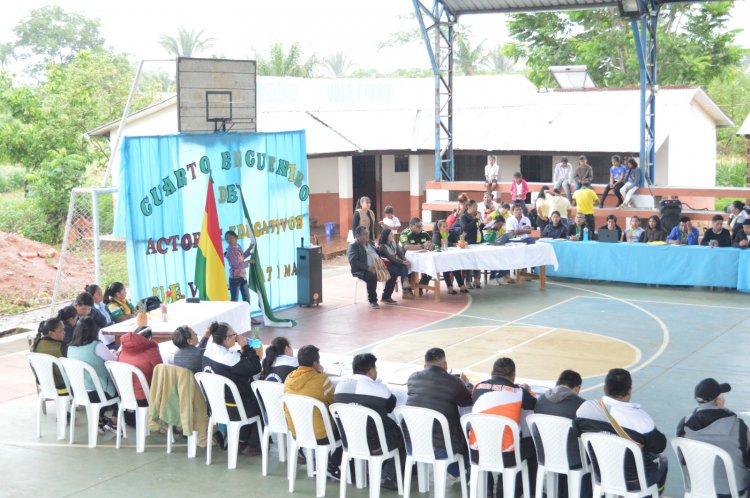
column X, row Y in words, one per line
column 518, row 224
column 491, row 172
column 563, row 176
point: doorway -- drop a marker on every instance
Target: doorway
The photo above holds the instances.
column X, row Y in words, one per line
column 365, row 181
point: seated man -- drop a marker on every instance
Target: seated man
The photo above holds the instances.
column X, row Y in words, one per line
column 615, row 414
column 742, row 239
column 612, row 225
column 362, row 254
column 500, row 395
column 683, row 234
column 518, row 224
column 714, row 424
column 414, row 239
column 365, row 389
column 577, row 230
column 717, row 235
column 309, row 379
column 438, row 390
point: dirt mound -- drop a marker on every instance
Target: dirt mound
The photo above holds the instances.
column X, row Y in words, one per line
column 29, row 268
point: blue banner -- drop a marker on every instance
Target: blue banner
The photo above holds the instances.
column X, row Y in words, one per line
column 163, row 184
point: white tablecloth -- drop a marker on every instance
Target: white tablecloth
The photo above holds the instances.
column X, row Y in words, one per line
column 482, row 257
column 198, row 316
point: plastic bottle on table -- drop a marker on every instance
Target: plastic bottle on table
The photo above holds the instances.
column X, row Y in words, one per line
column 586, row 233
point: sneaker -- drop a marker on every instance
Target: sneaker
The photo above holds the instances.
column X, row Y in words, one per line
column 388, row 301
column 334, row 473
column 451, row 290
column 110, row 427
column 374, row 306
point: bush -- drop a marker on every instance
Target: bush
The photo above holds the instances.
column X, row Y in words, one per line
column 19, row 215
column 731, row 172
column 11, row 178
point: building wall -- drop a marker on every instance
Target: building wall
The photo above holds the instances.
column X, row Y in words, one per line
column 508, row 165
column 395, row 188
column 324, row 189
column 661, row 166
column 692, row 150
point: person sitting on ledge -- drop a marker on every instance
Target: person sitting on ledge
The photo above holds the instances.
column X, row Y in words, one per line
column 279, row 361
column 717, row 235
column 576, row 230
column 742, row 239
column 189, row 352
column 654, row 232
column 612, row 225
column 555, row 229
column 684, row 234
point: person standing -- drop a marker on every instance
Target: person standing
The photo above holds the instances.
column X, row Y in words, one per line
column 585, row 199
column 584, row 173
column 563, row 175
column 363, row 216
column 238, row 265
column 616, row 175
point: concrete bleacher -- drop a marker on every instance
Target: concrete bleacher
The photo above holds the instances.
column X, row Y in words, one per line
column 695, row 199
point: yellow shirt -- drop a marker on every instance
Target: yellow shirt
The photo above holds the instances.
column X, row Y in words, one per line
column 585, row 199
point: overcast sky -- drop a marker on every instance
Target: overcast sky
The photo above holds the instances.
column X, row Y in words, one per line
column 243, row 27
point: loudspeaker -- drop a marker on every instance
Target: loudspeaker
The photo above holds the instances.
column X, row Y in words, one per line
column 309, row 275
column 670, row 211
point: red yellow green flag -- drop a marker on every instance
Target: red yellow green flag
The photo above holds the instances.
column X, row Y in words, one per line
column 210, row 276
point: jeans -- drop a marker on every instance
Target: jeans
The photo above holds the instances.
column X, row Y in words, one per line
column 449, row 275
column 372, row 285
column 565, row 184
column 236, row 286
column 453, row 467
column 656, row 473
column 616, row 188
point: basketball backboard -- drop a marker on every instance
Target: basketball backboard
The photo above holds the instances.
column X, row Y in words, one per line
column 216, row 95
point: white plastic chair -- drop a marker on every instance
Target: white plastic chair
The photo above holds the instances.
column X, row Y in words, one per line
column 76, row 370
column 419, row 422
column 489, row 431
column 122, row 374
column 352, row 421
column 43, row 367
column 609, row 451
column 550, row 435
column 698, row 466
column 213, row 387
column 301, row 410
column 269, row 395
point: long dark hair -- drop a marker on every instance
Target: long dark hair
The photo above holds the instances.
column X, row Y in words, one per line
column 658, row 222
column 66, row 313
column 45, row 327
column 383, row 240
column 91, row 289
column 274, row 350
column 111, row 290
column 219, row 331
column 85, row 332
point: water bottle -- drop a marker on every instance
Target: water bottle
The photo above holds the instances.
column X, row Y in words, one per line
column 586, row 234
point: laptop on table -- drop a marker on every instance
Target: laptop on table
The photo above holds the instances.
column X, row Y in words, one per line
column 606, row 235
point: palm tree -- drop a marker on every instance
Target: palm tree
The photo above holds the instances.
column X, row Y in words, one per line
column 281, row 63
column 497, row 62
column 467, row 58
column 187, row 42
column 6, row 54
column 338, row 64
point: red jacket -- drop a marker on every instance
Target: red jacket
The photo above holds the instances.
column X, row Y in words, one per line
column 141, row 353
column 513, row 192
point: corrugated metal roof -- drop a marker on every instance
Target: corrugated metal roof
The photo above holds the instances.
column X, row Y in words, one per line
column 485, row 6
column 745, row 128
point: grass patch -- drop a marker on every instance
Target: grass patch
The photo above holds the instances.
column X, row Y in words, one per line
column 8, row 308
column 114, row 266
column 12, row 178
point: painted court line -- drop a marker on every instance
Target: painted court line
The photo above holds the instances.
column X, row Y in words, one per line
column 680, row 304
column 511, row 349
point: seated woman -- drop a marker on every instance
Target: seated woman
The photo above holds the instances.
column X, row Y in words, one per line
column 189, row 352
column 140, row 351
column 86, row 347
column 555, row 229
column 98, row 296
column 634, row 232
column 717, row 235
column 396, row 262
column 654, row 232
column 69, row 317
column 441, row 232
column 49, row 340
column 279, row 361
column 116, row 298
column 239, row 367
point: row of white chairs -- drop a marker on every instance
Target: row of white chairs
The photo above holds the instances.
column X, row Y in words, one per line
column 697, row 459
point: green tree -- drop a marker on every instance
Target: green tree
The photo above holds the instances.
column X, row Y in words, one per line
column 467, row 58
column 694, row 44
column 187, row 43
column 338, row 64
column 281, row 63
column 732, row 94
column 50, row 34
column 7, row 52
column 498, row 62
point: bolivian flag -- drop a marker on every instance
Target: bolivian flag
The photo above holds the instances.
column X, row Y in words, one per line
column 210, row 277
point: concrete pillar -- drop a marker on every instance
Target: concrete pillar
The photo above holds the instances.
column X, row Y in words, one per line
column 346, row 193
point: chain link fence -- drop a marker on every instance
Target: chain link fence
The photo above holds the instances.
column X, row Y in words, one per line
column 90, row 252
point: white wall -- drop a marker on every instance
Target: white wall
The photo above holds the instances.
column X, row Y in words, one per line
column 661, row 166
column 508, row 166
column 392, row 181
column 323, row 175
column 692, row 149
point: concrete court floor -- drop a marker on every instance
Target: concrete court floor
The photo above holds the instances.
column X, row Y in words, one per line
column 668, row 337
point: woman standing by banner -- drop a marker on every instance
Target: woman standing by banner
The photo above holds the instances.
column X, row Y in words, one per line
column 238, row 264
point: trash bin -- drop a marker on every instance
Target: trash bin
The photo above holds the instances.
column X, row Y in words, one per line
column 330, row 229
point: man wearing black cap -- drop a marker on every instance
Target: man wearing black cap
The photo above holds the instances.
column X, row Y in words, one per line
column 714, row 424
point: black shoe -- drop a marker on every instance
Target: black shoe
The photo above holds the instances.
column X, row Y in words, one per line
column 389, row 483
column 334, row 473
column 219, row 440
column 465, row 291
column 451, row 290
column 388, row 301
column 374, row 305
